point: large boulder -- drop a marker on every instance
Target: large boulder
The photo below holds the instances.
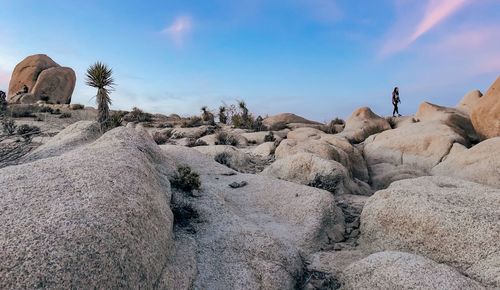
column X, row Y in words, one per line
column 57, row 84
column 397, row 270
column 44, row 79
column 480, row 163
column 452, row 117
column 362, row 123
column 486, row 114
column 409, row 151
column 326, row 146
column 253, row 237
column 309, row 169
column 27, row 71
column 469, row 101
column 286, row 118
column 95, row 217
column 448, row 220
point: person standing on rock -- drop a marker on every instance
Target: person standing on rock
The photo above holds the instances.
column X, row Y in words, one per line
column 395, row 101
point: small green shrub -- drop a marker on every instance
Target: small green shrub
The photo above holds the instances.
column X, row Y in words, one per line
column 115, row 120
column 65, row 116
column 224, row 138
column 9, row 126
column 27, row 132
column 185, row 179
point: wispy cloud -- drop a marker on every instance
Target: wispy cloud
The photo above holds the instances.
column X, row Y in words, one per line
column 179, row 29
column 435, row 12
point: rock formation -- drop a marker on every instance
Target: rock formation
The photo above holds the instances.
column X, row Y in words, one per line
column 486, row 114
column 45, row 80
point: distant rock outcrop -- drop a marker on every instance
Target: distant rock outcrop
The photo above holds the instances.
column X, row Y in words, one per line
column 362, row 123
column 285, row 118
column 45, row 80
column 486, row 114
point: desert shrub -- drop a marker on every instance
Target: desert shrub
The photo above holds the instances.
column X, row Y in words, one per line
column 328, row 183
column 56, row 112
column 65, row 115
column 258, row 124
column 27, row 132
column 44, row 98
column 138, row 115
column 46, row 109
column 8, row 126
column 185, row 179
column 269, row 137
column 161, row 137
column 222, row 115
column 243, row 121
column 115, row 120
column 191, row 122
column 76, row 107
column 200, row 142
column 39, row 118
column 206, row 116
column 223, row 158
column 224, row 138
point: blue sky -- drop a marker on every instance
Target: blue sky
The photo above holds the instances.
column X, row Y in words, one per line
column 316, row 58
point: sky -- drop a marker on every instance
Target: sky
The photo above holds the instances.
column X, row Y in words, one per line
column 316, row 58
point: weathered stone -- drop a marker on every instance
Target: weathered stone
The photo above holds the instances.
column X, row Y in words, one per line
column 56, row 84
column 447, row 220
column 486, row 114
column 397, row 270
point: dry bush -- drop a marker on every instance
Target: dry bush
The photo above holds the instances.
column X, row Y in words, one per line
column 65, row 115
column 138, row 115
column 161, row 137
column 224, row 138
column 185, row 179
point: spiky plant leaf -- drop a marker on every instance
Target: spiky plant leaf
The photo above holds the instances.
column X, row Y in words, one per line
column 100, row 76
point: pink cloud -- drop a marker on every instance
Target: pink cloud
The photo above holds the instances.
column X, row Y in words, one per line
column 179, row 29
column 435, row 12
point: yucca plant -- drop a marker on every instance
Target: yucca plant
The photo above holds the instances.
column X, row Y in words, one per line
column 207, row 116
column 222, row 115
column 244, row 109
column 100, row 77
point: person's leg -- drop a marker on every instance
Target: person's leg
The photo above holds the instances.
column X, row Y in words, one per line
column 394, row 110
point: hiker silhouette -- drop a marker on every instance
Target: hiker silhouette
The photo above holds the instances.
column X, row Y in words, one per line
column 395, row 101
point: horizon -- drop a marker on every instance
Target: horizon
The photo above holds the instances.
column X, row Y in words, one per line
column 319, row 59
